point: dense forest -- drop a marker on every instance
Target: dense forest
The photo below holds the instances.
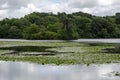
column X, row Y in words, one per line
column 60, row 26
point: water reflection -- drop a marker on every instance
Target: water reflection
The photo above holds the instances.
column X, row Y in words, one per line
column 112, row 50
column 27, row 71
column 16, row 50
column 98, row 40
column 35, row 50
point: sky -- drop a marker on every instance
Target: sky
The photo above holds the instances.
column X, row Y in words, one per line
column 19, row 8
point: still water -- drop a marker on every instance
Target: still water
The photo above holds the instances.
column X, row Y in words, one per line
column 79, row 40
column 29, row 71
column 98, row 40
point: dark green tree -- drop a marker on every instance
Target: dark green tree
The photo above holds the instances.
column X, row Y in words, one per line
column 14, row 32
column 31, row 32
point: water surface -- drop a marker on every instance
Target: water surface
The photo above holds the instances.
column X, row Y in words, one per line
column 98, row 40
column 79, row 40
column 28, row 71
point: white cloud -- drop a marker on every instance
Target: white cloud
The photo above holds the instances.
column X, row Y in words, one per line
column 24, row 10
column 3, row 14
column 105, row 2
column 97, row 7
column 19, row 8
column 5, row 5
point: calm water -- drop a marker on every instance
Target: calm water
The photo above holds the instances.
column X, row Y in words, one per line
column 99, row 40
column 27, row 71
column 79, row 40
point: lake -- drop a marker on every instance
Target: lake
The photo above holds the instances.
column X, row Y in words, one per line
column 29, row 71
column 79, row 40
column 98, row 40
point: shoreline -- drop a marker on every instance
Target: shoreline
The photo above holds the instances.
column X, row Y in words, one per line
column 112, row 40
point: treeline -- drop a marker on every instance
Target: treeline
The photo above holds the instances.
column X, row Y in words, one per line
column 60, row 26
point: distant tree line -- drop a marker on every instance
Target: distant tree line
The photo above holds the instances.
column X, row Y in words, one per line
column 60, row 26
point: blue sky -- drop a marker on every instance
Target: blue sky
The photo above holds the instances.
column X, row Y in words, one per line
column 19, row 8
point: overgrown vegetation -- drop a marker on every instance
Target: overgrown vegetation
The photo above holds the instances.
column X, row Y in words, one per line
column 64, row 52
column 61, row 26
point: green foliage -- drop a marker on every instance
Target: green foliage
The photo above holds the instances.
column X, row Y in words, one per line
column 14, row 32
column 4, row 31
column 102, row 28
column 31, row 32
column 83, row 26
column 117, row 18
column 50, row 35
column 65, row 52
column 61, row 26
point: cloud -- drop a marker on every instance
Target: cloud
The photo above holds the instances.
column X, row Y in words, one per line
column 3, row 14
column 24, row 10
column 96, row 7
column 83, row 3
column 15, row 4
column 19, row 8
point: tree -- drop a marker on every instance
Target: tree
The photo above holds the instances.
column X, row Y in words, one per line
column 31, row 31
column 83, row 26
column 55, row 27
column 4, row 31
column 117, row 18
column 14, row 32
column 50, row 35
column 100, row 26
column 61, row 26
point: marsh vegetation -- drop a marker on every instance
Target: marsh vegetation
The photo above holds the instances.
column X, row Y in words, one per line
column 60, row 52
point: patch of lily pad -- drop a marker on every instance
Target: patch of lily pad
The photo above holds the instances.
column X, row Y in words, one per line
column 58, row 52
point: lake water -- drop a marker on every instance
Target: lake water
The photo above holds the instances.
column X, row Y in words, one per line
column 98, row 40
column 29, row 71
column 79, row 40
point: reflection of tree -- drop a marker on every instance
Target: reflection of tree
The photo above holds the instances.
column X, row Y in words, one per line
column 16, row 50
column 113, row 50
column 40, row 50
